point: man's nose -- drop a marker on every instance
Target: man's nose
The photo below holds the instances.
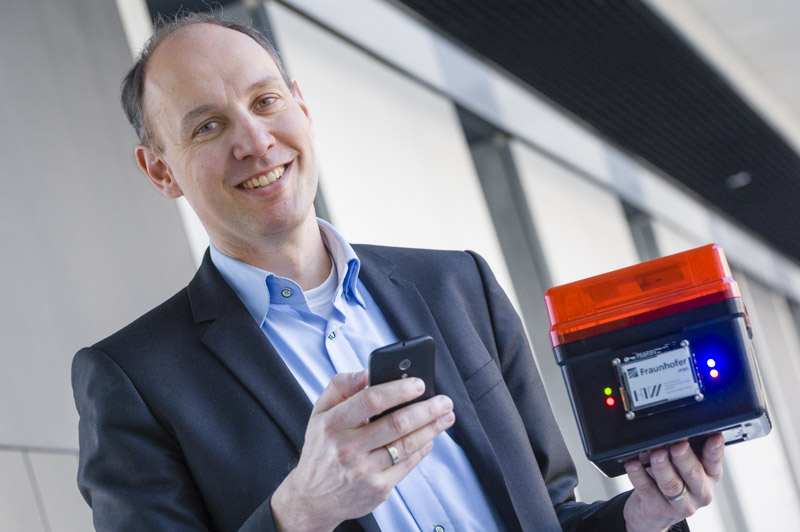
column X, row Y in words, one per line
column 253, row 139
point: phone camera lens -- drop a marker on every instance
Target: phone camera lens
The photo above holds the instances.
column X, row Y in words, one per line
column 404, row 364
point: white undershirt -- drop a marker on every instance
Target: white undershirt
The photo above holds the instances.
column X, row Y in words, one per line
column 320, row 299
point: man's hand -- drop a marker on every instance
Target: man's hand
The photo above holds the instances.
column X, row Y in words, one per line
column 345, row 470
column 671, row 471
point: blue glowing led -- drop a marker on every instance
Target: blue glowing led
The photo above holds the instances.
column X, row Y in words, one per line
column 710, row 363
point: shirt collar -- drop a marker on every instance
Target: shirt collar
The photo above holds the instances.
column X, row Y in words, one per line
column 348, row 265
column 258, row 288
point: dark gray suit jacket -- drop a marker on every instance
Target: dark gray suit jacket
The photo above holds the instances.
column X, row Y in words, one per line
column 189, row 418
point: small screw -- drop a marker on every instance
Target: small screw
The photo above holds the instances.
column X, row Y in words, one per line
column 699, row 397
column 616, row 362
column 630, row 415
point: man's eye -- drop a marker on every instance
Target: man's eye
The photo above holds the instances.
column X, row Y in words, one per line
column 208, row 126
column 265, row 101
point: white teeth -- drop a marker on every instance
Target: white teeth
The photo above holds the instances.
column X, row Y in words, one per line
column 264, row 180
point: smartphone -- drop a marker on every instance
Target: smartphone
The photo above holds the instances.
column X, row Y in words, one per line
column 409, row 358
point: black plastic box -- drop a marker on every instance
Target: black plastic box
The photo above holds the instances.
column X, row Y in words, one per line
column 657, row 353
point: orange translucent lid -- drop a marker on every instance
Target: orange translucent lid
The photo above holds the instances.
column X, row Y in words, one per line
column 639, row 293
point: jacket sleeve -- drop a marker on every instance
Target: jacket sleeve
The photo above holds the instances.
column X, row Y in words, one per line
column 524, row 383
column 132, row 472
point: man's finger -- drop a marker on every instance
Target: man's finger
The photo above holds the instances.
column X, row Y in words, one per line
column 700, row 476
column 642, row 483
column 668, row 481
column 396, row 473
column 407, row 421
column 713, row 450
column 372, row 401
column 341, row 387
column 409, row 444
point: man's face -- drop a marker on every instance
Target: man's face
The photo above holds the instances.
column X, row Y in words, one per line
column 235, row 140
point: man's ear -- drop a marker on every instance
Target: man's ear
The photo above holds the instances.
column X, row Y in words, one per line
column 157, row 171
column 299, row 97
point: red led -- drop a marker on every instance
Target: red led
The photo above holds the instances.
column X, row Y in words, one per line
column 610, row 401
column 714, row 373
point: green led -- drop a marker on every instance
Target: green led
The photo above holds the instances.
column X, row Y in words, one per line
column 608, row 391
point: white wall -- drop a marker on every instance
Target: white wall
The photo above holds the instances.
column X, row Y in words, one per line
column 87, row 245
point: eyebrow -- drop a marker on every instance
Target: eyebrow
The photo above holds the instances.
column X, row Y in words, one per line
column 267, row 81
column 189, row 118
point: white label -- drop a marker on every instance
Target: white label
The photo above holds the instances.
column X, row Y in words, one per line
column 661, row 378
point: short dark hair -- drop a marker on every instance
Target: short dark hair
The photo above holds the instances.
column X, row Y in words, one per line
column 133, row 82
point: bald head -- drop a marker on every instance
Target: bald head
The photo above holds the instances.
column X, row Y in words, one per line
column 134, row 82
column 193, row 69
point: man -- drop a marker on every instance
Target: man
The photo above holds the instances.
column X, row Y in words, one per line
column 198, row 415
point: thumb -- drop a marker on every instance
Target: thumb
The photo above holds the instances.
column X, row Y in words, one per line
column 342, row 386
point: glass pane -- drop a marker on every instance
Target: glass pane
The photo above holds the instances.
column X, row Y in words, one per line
column 581, row 226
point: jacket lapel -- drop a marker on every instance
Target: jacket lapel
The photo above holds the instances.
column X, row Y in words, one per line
column 236, row 339
column 409, row 315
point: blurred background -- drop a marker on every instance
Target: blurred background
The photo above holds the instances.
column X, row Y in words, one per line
column 559, row 139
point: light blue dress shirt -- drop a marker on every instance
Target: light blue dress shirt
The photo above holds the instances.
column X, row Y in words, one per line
column 333, row 328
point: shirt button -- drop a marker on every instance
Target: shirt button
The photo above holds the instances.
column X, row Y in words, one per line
column 286, row 292
column 331, row 336
column 438, row 528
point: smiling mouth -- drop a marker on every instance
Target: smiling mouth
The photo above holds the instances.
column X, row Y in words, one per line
column 264, row 180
